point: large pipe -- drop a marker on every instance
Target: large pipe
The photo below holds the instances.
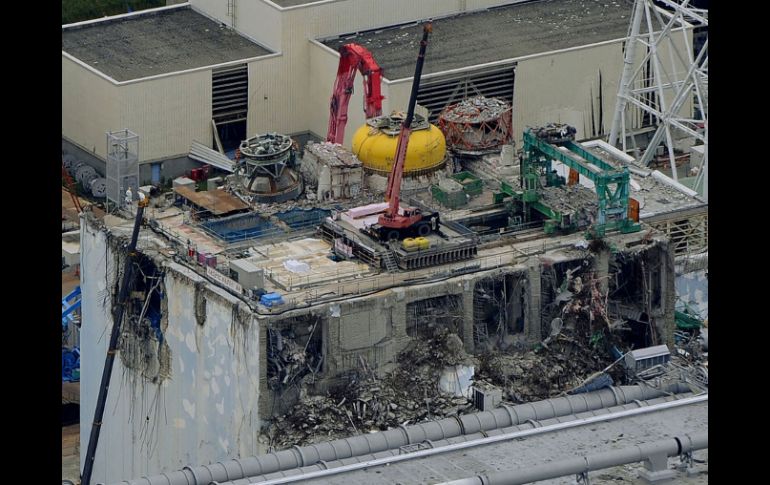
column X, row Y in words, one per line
column 586, row 463
column 327, row 465
column 295, row 475
column 367, row 444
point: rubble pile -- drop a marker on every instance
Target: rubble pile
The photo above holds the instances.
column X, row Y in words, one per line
column 332, row 153
column 544, row 372
column 407, row 395
column 476, row 110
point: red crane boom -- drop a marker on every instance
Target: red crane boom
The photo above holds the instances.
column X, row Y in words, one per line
column 353, row 57
column 393, row 223
column 69, row 184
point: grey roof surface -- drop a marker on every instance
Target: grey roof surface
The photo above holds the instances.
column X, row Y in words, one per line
column 656, row 199
column 156, row 43
column 495, row 34
column 533, row 450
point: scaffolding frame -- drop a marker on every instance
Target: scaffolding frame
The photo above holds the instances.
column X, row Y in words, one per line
column 122, row 165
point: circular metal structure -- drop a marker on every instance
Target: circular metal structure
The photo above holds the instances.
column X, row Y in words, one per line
column 477, row 125
column 99, row 187
column 264, row 168
column 84, row 174
column 374, row 143
column 68, row 160
column 268, row 148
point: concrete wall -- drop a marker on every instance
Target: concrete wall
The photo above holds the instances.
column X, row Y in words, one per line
column 90, row 107
column 298, row 85
column 168, row 113
column 290, row 93
column 268, row 98
column 564, row 87
column 205, row 411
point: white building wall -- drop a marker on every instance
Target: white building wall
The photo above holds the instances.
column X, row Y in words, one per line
column 268, row 97
column 168, row 113
column 290, row 83
column 564, row 88
column 90, row 107
column 206, row 411
column 261, row 22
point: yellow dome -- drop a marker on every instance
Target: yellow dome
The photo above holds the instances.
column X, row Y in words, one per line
column 376, row 150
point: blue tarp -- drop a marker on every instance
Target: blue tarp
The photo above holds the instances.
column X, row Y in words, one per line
column 270, row 299
column 70, row 364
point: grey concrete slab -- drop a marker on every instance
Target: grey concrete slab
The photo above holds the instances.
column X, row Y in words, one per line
column 156, row 43
column 495, row 34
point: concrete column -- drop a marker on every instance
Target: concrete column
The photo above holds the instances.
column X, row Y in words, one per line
column 398, row 316
column 668, row 294
column 510, row 303
column 331, row 339
column 602, row 268
column 263, row 401
column 532, row 301
column 468, row 321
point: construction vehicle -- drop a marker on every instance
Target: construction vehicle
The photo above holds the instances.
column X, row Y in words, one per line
column 399, row 222
column 353, row 57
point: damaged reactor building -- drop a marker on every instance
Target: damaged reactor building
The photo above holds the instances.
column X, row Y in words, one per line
column 385, row 305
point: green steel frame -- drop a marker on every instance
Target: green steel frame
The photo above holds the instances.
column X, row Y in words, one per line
column 611, row 183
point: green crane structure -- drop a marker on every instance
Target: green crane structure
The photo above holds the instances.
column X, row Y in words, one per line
column 556, row 142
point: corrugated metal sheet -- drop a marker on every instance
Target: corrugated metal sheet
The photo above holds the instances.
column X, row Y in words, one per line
column 202, row 153
column 168, row 113
column 267, row 31
column 577, row 87
column 90, row 107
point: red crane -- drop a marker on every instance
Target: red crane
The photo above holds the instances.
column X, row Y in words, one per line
column 391, row 225
column 353, row 57
column 69, row 184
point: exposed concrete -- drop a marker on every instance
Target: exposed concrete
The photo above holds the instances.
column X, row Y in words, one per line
column 474, row 38
column 367, row 320
column 156, row 43
column 205, row 410
column 532, row 320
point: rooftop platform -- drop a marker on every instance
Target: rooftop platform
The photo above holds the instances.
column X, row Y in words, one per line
column 495, row 34
column 157, row 42
column 218, row 202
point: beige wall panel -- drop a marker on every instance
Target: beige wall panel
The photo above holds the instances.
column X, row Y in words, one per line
column 90, row 107
column 168, row 113
column 270, row 96
column 565, row 87
column 260, row 21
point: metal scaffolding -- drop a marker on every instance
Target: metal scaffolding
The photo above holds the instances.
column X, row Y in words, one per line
column 122, row 165
column 668, row 88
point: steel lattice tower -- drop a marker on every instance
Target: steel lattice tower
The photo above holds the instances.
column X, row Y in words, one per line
column 669, row 87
